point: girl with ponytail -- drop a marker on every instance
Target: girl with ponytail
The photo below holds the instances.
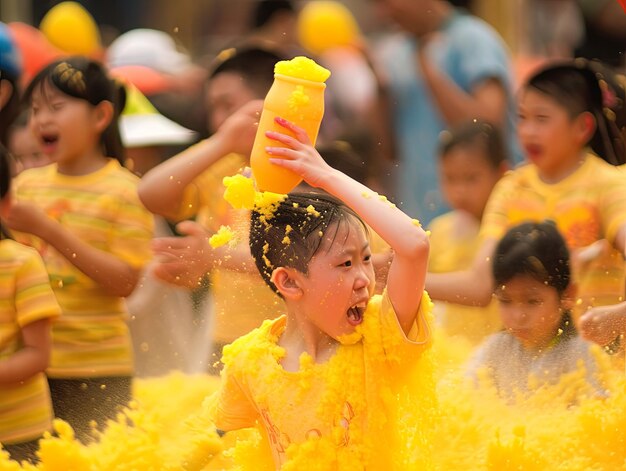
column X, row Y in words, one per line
column 83, row 215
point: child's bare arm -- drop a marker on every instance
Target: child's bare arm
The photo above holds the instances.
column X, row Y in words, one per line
column 471, row 287
column 162, row 189
column 32, row 358
column 407, row 272
column 117, row 277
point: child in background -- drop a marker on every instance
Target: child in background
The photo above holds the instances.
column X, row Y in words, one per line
column 190, row 184
column 83, row 215
column 27, row 305
column 23, row 145
column 562, row 113
column 472, row 159
column 323, row 380
column 535, row 294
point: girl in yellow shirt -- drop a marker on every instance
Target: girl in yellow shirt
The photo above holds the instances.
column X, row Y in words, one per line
column 83, row 215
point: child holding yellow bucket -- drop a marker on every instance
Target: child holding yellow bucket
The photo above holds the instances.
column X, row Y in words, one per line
column 535, row 294
column 344, row 378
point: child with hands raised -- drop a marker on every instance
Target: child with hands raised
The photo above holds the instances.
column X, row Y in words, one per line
column 337, row 376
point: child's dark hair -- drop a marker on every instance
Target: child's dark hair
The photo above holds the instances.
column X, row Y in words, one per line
column 536, row 249
column 295, row 231
column 475, row 133
column 85, row 79
column 5, row 183
column 589, row 86
column 254, row 64
column 5, row 172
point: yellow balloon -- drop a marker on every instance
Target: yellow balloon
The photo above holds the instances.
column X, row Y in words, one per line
column 71, row 27
column 324, row 24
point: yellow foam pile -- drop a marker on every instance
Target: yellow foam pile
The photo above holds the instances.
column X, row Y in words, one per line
column 303, row 68
column 166, row 430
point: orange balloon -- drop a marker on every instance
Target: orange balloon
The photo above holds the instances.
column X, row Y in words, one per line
column 36, row 50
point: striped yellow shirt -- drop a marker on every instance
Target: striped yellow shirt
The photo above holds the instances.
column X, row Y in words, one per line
column 25, row 297
column 91, row 338
column 587, row 206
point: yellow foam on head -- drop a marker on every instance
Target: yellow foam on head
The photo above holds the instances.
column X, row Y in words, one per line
column 303, row 68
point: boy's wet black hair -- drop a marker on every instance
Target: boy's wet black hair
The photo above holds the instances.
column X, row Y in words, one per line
column 472, row 133
column 589, row 86
column 254, row 63
column 538, row 250
column 296, row 230
column 85, row 79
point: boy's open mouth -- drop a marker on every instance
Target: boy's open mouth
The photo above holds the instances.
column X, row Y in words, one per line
column 355, row 314
column 49, row 140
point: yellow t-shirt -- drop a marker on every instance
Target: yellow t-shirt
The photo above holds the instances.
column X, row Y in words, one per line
column 587, row 206
column 25, row 297
column 91, row 338
column 359, row 410
column 453, row 250
column 241, row 299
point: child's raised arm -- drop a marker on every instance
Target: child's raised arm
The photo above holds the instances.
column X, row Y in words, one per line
column 407, row 273
column 162, row 189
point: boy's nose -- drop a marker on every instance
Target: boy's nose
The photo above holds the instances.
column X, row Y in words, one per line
column 362, row 279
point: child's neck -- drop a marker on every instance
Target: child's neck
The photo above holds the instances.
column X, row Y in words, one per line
column 298, row 339
column 561, row 172
column 85, row 164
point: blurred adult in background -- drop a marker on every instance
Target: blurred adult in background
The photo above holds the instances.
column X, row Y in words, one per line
column 357, row 107
column 605, row 32
column 553, row 28
column 274, row 22
column 445, row 67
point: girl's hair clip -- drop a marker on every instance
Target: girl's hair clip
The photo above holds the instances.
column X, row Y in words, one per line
column 71, row 76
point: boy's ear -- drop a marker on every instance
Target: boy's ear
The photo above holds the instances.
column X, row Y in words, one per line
column 286, row 281
column 104, row 114
column 585, row 126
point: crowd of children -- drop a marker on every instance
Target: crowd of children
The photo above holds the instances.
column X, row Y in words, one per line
column 320, row 311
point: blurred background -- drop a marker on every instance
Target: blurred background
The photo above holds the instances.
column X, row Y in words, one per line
column 204, row 26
